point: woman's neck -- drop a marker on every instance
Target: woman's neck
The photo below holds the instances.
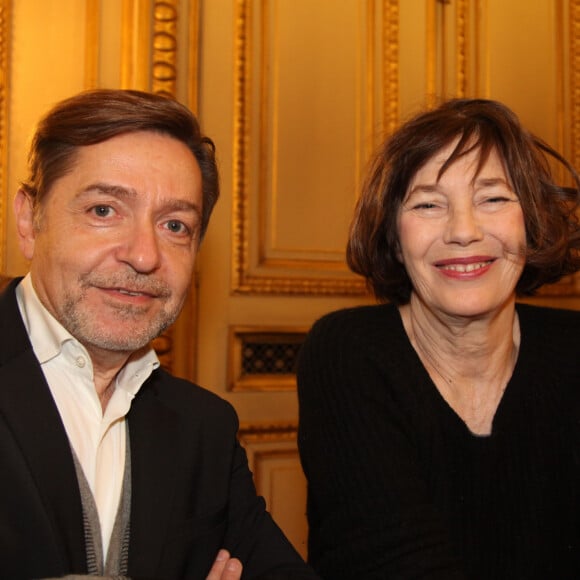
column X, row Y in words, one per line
column 470, row 361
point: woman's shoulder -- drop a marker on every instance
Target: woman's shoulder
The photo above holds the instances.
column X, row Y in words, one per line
column 550, row 339
column 545, row 319
column 359, row 321
column 363, row 331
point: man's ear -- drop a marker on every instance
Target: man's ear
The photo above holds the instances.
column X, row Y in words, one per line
column 24, row 212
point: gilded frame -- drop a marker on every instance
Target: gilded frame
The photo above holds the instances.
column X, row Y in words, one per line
column 5, row 36
column 271, row 280
column 177, row 346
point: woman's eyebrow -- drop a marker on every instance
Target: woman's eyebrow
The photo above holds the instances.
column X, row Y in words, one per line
column 491, row 182
column 424, row 188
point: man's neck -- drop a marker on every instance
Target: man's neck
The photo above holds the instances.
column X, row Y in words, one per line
column 106, row 367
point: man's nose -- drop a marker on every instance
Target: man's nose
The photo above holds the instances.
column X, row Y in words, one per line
column 141, row 248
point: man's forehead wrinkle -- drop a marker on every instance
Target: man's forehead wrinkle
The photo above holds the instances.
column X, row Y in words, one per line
column 128, row 192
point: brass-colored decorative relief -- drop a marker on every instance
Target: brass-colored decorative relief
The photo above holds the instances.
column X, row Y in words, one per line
column 391, row 65
column 263, row 358
column 574, row 15
column 462, row 49
column 4, row 87
column 570, row 286
column 164, row 45
column 275, row 432
column 263, row 262
column 176, row 346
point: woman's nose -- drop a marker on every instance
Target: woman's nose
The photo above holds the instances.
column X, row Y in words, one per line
column 462, row 227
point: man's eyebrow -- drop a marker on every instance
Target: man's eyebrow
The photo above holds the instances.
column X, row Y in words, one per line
column 108, row 189
column 121, row 192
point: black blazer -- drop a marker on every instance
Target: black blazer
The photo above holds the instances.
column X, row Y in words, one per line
column 192, row 491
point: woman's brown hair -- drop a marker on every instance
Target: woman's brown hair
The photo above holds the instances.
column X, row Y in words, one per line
column 551, row 221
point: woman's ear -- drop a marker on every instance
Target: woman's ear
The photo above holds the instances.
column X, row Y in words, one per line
column 24, row 212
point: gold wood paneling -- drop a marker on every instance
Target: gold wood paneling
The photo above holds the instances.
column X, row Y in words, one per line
column 271, row 151
column 136, row 44
column 4, row 87
column 570, row 286
column 449, row 49
column 431, row 59
column 274, row 460
column 92, row 44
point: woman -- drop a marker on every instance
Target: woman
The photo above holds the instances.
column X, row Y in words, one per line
column 440, row 432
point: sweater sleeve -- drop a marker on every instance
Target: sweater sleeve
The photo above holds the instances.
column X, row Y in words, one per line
column 369, row 510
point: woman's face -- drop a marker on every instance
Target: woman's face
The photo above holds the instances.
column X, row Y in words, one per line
column 462, row 237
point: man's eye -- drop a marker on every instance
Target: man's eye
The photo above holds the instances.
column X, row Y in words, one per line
column 102, row 210
column 176, row 227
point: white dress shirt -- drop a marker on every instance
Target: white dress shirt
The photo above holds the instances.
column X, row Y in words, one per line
column 98, row 439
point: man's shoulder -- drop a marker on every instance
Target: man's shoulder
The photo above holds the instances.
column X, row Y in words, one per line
column 184, row 395
column 13, row 336
column 4, row 281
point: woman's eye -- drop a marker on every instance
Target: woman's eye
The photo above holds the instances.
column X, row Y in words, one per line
column 499, row 200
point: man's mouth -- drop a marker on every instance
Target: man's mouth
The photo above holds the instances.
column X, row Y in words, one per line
column 131, row 292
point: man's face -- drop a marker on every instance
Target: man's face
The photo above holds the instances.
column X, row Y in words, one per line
column 113, row 252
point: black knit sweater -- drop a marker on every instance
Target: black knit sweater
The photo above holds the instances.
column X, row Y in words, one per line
column 398, row 487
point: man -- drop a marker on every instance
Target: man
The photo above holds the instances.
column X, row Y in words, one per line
column 109, row 465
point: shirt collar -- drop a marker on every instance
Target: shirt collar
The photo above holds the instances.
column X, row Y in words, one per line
column 48, row 336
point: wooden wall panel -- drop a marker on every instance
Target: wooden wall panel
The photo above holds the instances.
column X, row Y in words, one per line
column 310, row 105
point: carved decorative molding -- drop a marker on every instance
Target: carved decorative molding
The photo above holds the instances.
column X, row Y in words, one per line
column 253, row 271
column 391, row 65
column 462, row 47
column 574, row 16
column 570, row 286
column 268, row 432
column 176, row 347
column 4, row 87
column 164, row 47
